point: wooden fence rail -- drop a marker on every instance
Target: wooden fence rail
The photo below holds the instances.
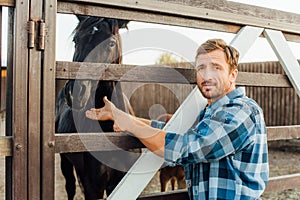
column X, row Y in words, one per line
column 81, row 142
column 156, row 74
column 265, row 82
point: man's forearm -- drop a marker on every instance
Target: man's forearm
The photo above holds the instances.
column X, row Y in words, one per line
column 152, row 138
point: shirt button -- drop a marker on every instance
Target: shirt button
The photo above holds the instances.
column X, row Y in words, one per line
column 195, row 190
column 188, row 183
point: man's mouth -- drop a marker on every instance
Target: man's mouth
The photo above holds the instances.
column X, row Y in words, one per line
column 207, row 85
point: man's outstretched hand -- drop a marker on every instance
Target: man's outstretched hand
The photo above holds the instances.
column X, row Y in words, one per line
column 102, row 114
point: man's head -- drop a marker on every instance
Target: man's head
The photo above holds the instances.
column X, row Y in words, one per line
column 216, row 65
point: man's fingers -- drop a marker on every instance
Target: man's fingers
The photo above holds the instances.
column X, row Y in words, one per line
column 116, row 128
column 94, row 114
column 105, row 100
column 90, row 114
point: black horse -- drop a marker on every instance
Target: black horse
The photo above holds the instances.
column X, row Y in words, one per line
column 96, row 40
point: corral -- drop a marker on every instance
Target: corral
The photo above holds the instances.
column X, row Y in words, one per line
column 30, row 143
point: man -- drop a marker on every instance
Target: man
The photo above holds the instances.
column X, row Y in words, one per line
column 225, row 153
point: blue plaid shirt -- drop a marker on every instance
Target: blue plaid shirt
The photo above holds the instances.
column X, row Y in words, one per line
column 225, row 153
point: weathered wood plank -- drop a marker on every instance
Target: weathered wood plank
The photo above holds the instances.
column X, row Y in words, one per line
column 48, row 99
column 239, row 9
column 103, row 71
column 169, row 195
column 9, row 3
column 5, row 146
column 285, row 182
column 218, row 11
column 156, row 74
column 283, row 132
column 80, row 142
column 262, row 79
column 158, row 18
column 34, row 108
column 20, row 107
column 74, row 8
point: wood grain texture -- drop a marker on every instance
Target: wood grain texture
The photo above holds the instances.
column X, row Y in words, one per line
column 9, row 3
column 48, row 102
column 81, row 142
column 34, row 107
column 217, row 11
column 20, row 107
column 5, row 146
column 156, row 74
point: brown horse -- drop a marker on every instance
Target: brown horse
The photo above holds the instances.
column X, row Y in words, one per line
column 96, row 40
column 173, row 174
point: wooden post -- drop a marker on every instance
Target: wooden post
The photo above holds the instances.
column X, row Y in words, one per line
column 34, row 106
column 48, row 102
column 20, row 101
column 9, row 101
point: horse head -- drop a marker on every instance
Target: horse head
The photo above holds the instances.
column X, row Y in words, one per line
column 96, row 40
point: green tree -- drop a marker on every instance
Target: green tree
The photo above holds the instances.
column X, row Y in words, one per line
column 167, row 58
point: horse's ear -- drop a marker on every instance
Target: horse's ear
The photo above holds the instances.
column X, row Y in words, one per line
column 81, row 17
column 123, row 23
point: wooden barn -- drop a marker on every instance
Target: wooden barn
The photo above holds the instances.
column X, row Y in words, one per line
column 28, row 85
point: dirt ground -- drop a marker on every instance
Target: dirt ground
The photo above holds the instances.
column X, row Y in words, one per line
column 283, row 156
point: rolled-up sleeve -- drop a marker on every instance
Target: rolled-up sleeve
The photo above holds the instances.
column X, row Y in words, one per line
column 227, row 130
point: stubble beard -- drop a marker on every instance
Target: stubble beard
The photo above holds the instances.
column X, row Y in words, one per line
column 213, row 93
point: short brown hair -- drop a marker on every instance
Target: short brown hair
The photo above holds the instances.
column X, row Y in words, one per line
column 232, row 55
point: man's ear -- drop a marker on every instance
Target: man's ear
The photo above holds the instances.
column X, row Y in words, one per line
column 233, row 75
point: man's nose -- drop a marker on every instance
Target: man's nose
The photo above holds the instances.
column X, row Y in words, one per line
column 205, row 73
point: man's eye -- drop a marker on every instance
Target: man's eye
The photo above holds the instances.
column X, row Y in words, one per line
column 216, row 67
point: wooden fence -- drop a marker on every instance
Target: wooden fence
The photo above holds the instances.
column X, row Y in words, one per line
column 281, row 105
column 30, row 143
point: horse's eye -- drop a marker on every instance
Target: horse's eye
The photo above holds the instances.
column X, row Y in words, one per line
column 112, row 43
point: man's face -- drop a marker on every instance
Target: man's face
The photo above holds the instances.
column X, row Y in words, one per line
column 213, row 77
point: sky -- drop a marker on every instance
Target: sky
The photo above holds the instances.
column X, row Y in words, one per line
column 179, row 41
